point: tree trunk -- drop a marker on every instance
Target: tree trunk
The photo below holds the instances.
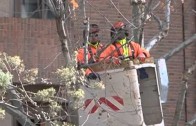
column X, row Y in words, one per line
column 137, row 17
column 58, row 9
column 63, row 39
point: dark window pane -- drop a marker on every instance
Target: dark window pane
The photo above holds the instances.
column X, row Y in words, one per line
column 32, row 9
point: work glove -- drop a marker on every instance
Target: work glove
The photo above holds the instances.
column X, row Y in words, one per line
column 141, row 57
column 93, row 76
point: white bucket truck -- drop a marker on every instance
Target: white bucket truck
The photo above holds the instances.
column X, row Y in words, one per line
column 131, row 97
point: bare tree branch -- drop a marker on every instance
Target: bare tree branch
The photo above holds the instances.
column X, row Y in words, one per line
column 58, row 9
column 156, row 5
column 17, row 114
column 13, row 95
column 145, row 17
column 122, row 14
column 51, row 5
column 181, row 98
column 194, row 11
column 191, row 122
column 179, row 47
column 157, row 19
column 99, row 12
column 164, row 29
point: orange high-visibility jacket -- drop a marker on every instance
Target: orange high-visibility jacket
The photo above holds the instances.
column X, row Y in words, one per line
column 133, row 48
column 92, row 51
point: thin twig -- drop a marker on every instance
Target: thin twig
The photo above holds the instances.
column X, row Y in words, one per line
column 122, row 14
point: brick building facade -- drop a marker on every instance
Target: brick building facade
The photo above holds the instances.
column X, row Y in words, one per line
column 36, row 41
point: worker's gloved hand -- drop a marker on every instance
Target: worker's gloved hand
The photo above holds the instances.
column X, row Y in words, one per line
column 93, row 76
column 141, row 57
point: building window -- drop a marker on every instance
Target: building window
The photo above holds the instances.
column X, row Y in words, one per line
column 32, row 9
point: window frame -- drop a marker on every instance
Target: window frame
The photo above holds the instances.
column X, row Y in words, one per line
column 21, row 8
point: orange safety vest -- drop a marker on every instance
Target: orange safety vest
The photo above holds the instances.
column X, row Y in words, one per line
column 92, row 51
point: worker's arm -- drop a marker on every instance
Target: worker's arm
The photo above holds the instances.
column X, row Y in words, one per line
column 140, row 52
column 109, row 55
column 80, row 60
column 80, row 56
column 147, row 53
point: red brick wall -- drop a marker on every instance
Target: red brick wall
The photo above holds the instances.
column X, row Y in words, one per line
column 36, row 41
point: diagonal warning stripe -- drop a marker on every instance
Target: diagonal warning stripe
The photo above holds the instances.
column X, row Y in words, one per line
column 90, row 106
column 108, row 103
column 114, row 102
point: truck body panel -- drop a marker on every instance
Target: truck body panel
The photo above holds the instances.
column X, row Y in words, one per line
column 127, row 100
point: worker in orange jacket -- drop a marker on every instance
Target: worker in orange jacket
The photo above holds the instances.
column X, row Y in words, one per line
column 94, row 46
column 122, row 48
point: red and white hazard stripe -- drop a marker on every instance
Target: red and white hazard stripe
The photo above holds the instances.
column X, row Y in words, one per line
column 115, row 103
column 90, row 106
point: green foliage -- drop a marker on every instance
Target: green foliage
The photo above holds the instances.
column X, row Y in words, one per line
column 77, row 94
column 67, row 124
column 45, row 94
column 10, row 63
column 2, row 113
column 14, row 65
column 66, row 75
column 11, row 67
column 5, row 80
column 70, row 79
column 30, row 76
column 55, row 106
column 70, row 76
column 58, row 123
column 48, row 95
column 96, row 84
